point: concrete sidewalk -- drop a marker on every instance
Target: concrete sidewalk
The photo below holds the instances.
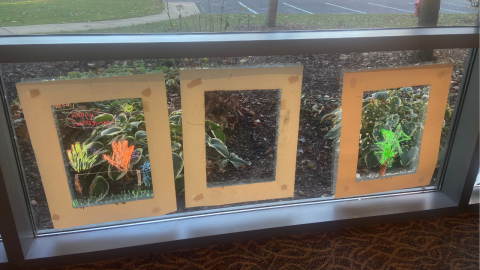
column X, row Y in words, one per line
column 189, row 9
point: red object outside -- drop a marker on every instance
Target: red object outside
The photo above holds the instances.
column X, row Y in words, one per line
column 417, row 8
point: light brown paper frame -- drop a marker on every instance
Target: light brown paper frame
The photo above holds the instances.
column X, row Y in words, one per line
column 38, row 97
column 354, row 84
column 193, row 85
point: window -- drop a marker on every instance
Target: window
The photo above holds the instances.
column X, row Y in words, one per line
column 283, row 142
column 245, row 123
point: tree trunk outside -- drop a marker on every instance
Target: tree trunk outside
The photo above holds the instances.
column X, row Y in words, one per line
column 427, row 17
column 271, row 13
column 429, row 10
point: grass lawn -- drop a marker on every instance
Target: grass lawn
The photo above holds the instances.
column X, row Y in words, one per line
column 31, row 12
column 239, row 22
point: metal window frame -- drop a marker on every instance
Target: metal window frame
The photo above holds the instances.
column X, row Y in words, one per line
column 475, row 198
column 458, row 172
column 3, row 256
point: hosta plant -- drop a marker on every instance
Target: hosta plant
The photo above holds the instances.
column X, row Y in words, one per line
column 124, row 149
column 388, row 110
column 227, row 156
column 218, row 143
column 176, row 138
column 129, row 131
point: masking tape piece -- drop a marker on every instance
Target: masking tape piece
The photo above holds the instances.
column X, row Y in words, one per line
column 353, row 83
column 198, row 197
column 293, row 79
column 194, row 83
column 147, row 92
column 146, row 106
column 34, row 93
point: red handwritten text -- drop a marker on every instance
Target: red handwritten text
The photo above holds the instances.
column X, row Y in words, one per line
column 86, row 119
column 63, row 106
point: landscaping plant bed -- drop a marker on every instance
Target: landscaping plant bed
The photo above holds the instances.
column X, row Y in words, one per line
column 321, row 95
column 250, row 124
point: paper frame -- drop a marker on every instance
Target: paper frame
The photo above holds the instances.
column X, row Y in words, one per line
column 38, row 97
column 354, row 84
column 193, row 84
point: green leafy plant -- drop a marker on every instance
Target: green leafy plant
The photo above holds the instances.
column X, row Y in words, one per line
column 128, row 129
column 176, row 138
column 388, row 110
column 221, row 148
column 121, row 68
column 128, row 108
column 105, row 141
column 217, row 142
column 99, row 188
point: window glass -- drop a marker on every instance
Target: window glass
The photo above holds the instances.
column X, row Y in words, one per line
column 391, row 133
column 148, row 16
column 255, row 113
column 248, row 120
column 477, row 181
column 474, row 198
column 91, row 159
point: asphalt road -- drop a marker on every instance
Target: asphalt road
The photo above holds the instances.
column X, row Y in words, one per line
column 327, row 6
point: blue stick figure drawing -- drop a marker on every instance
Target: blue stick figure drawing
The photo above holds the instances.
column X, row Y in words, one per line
column 146, row 173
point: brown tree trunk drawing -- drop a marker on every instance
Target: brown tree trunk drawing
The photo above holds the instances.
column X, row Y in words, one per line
column 77, row 184
column 383, row 170
column 139, row 178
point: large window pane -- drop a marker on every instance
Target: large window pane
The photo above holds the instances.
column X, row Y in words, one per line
column 253, row 141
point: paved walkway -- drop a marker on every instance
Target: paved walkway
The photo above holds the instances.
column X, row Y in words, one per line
column 189, row 9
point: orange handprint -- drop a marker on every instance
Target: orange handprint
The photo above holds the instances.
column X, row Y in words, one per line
column 121, row 155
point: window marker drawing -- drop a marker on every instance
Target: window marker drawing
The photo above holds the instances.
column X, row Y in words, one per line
column 89, row 119
column 122, row 154
column 79, row 157
column 115, row 137
column 146, row 173
column 139, row 178
column 59, row 107
column 389, row 148
column 80, row 160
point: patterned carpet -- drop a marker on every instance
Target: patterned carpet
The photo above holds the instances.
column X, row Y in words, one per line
column 441, row 243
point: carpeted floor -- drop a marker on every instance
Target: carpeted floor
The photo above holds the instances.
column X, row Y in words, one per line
column 441, row 243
